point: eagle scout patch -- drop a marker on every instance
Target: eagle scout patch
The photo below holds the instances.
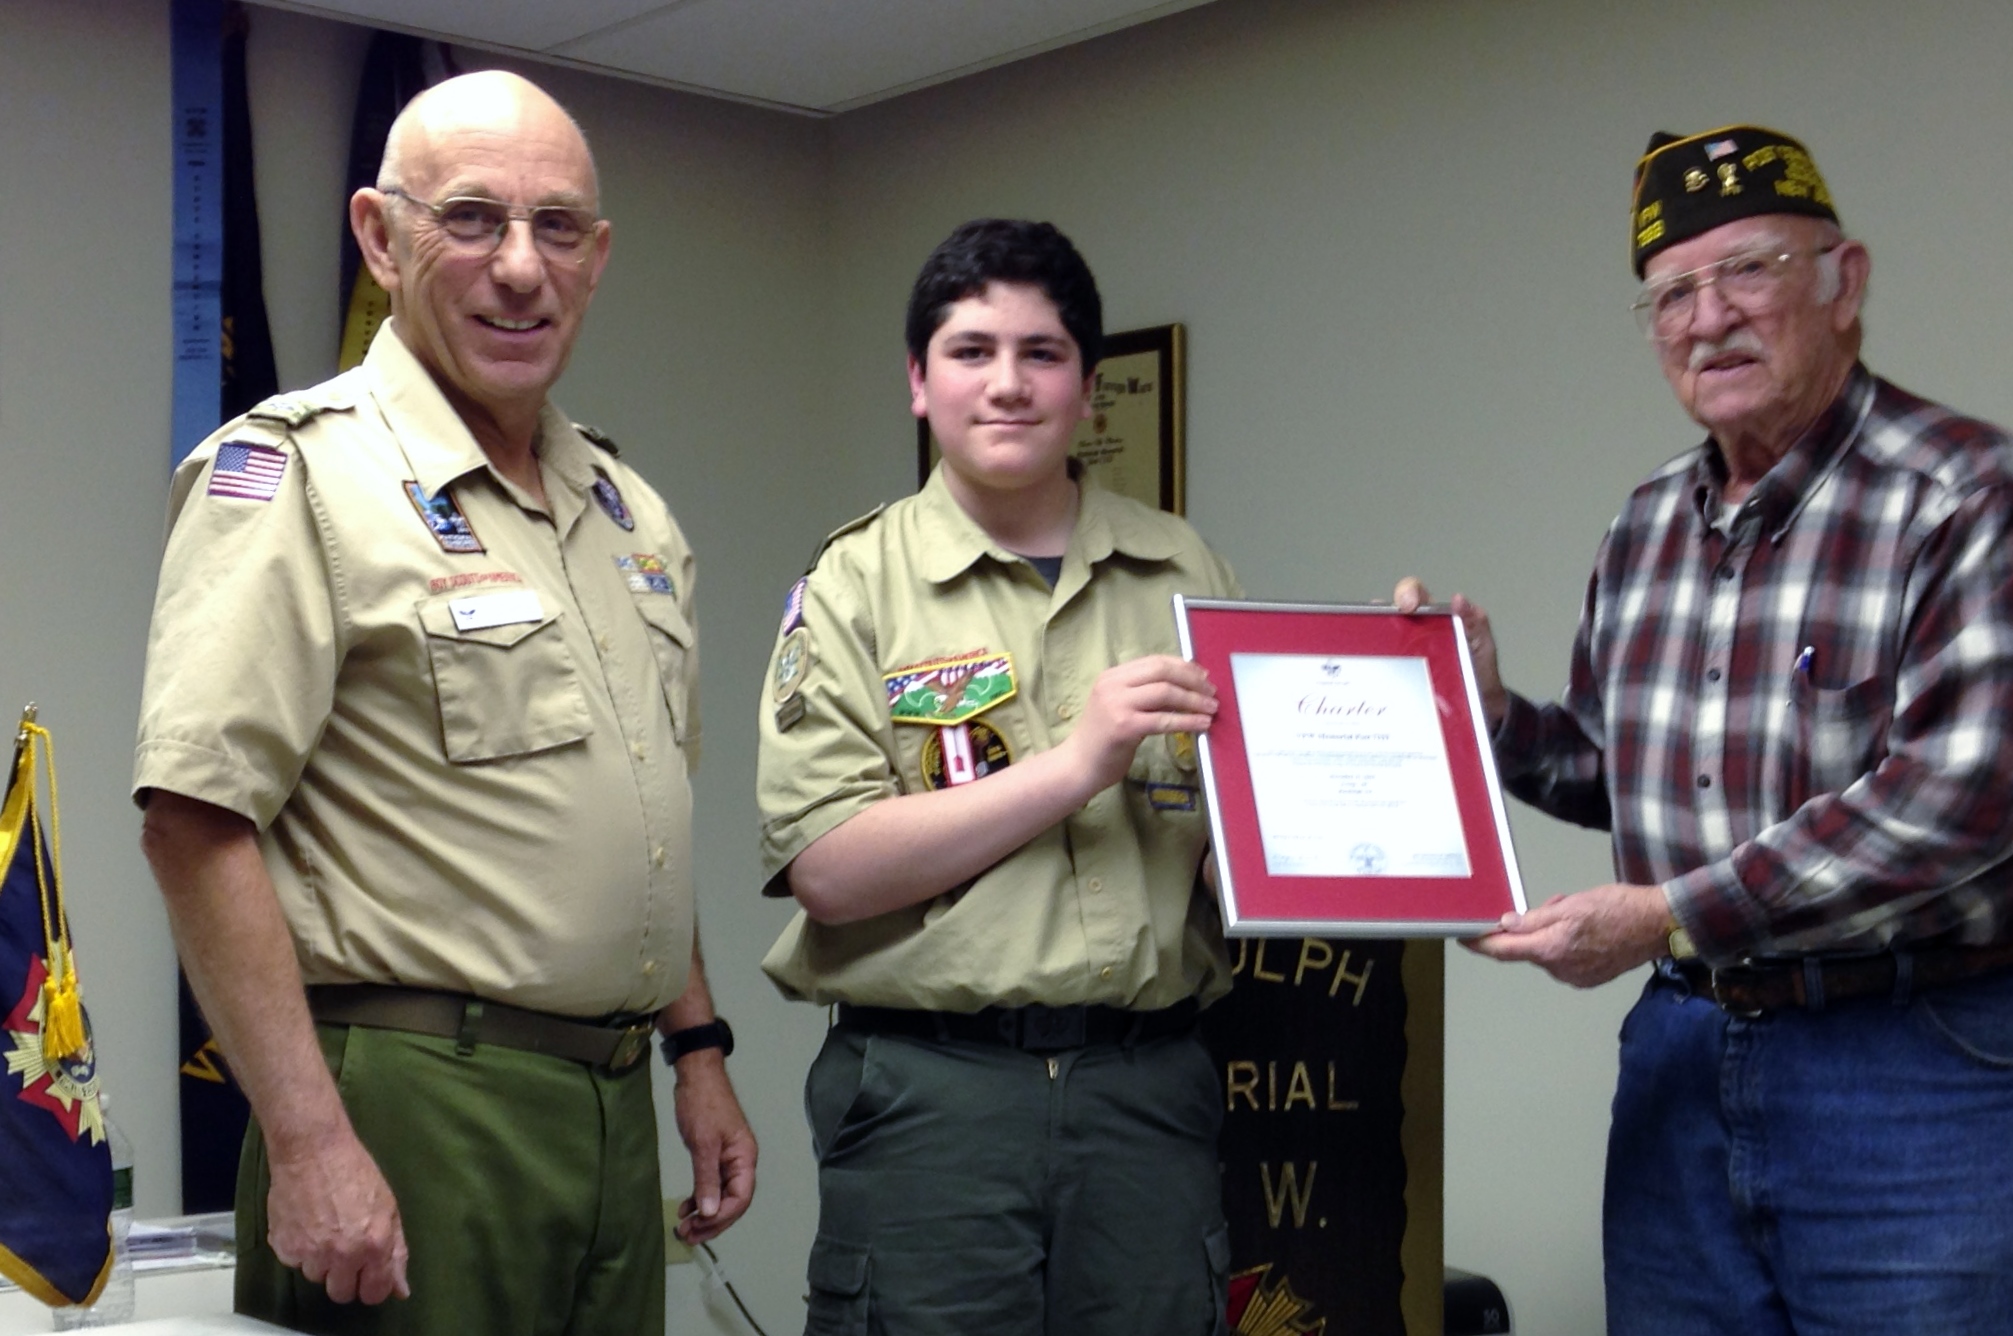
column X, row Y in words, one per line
column 963, row 753
column 444, row 520
column 645, row 573
column 610, row 498
column 944, row 692
column 793, row 607
column 247, row 472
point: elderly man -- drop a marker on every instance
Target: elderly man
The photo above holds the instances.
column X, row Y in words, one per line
column 1791, row 701
column 419, row 707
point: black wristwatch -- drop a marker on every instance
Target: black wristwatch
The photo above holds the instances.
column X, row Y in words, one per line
column 713, row 1034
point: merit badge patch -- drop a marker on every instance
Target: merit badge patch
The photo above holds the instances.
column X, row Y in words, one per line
column 610, row 498
column 963, row 753
column 645, row 573
column 793, row 660
column 793, row 606
column 444, row 520
column 949, row 691
column 247, row 472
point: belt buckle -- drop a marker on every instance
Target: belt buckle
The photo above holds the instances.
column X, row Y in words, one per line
column 1718, row 982
column 1051, row 1029
column 633, row 1046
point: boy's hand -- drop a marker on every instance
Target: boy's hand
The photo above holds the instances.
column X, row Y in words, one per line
column 1131, row 702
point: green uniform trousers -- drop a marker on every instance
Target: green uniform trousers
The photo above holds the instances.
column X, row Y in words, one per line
column 527, row 1185
column 969, row 1189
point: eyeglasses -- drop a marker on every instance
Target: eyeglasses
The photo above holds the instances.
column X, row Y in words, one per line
column 1751, row 281
column 475, row 225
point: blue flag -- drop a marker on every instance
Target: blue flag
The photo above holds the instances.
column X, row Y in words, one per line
column 55, row 1165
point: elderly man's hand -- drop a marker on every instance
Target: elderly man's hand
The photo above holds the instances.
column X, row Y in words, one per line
column 1411, row 595
column 331, row 1214
column 713, row 1128
column 1585, row 939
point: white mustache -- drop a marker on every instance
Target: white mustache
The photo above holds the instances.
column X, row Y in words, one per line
column 1736, row 341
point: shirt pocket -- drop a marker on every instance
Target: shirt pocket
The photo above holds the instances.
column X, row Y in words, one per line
column 503, row 690
column 1836, row 735
column 671, row 641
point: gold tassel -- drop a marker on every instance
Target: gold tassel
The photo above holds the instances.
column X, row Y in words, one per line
column 62, row 1015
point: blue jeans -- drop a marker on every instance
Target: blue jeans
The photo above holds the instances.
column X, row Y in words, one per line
column 1848, row 1170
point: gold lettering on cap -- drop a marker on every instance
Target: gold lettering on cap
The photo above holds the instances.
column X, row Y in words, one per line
column 1695, row 179
column 1729, row 183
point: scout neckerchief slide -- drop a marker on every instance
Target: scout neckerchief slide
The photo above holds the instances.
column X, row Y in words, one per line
column 55, row 1164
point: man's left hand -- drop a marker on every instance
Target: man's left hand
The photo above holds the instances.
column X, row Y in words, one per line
column 1585, row 939
column 713, row 1128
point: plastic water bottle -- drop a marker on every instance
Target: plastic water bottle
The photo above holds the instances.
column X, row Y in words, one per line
column 115, row 1301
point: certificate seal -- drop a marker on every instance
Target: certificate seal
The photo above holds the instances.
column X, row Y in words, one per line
column 1367, row 859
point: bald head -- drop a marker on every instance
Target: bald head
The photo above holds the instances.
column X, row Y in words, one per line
column 488, row 105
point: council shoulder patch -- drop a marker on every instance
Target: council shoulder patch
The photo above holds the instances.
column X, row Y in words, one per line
column 645, row 573
column 943, row 692
column 444, row 520
column 247, row 472
column 793, row 661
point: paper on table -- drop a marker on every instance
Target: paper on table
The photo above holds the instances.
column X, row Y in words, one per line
column 1348, row 766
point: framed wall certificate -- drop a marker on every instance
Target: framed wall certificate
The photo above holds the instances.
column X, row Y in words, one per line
column 1352, row 789
column 1132, row 442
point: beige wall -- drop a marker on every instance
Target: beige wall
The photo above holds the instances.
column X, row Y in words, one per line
column 1394, row 230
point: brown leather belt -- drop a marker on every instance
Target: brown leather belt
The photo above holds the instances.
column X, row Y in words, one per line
column 1757, row 986
column 1033, row 1028
column 616, row 1044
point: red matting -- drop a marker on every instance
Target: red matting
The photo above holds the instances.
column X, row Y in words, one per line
column 1255, row 902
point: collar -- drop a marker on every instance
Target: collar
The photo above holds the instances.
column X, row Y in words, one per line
column 437, row 444
column 953, row 542
column 1783, row 491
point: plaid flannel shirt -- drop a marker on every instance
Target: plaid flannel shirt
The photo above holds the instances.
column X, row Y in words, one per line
column 1801, row 724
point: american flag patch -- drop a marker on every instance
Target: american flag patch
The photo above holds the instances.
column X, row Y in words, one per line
column 251, row 472
column 1719, row 148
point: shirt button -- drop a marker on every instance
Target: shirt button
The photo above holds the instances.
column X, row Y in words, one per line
column 1705, row 781
column 649, row 967
column 603, row 642
column 1725, row 572
column 657, row 855
column 637, row 751
column 1096, row 884
column 1712, row 674
column 1065, row 711
column 1104, row 973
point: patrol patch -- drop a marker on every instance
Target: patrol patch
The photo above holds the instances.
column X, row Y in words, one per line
column 793, row 606
column 645, row 573
column 610, row 498
column 444, row 520
column 963, row 753
column 1168, row 797
column 793, row 660
column 949, row 691
column 247, row 472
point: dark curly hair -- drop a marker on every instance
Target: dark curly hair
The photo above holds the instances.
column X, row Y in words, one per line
column 1007, row 250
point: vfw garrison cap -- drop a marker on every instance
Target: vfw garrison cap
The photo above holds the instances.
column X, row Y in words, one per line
column 1688, row 186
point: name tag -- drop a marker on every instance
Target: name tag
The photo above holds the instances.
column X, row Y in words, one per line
column 478, row 612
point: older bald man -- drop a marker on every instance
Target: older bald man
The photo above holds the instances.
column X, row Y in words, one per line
column 419, row 709
column 1791, row 702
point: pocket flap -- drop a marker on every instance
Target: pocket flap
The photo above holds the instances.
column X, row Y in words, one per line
column 838, row 1267
column 437, row 618
column 1217, row 1246
column 662, row 612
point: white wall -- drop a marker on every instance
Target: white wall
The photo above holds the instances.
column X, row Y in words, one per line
column 1396, row 232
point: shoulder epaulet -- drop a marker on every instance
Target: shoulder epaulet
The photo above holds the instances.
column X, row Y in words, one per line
column 599, row 437
column 296, row 409
column 844, row 529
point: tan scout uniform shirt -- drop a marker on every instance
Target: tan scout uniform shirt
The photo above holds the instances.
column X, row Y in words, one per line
column 468, row 767
column 1100, row 908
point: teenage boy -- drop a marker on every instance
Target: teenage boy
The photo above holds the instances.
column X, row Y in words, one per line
column 977, row 777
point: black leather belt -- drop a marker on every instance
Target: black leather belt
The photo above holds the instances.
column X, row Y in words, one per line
column 1033, row 1028
column 1762, row 985
column 617, row 1044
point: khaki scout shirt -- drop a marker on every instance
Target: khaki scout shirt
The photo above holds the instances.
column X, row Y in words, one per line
column 464, row 740
column 1100, row 908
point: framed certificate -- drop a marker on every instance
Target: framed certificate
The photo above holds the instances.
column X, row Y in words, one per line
column 1131, row 443
column 1352, row 789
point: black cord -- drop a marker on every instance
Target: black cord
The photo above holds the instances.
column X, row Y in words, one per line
column 733, row 1293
